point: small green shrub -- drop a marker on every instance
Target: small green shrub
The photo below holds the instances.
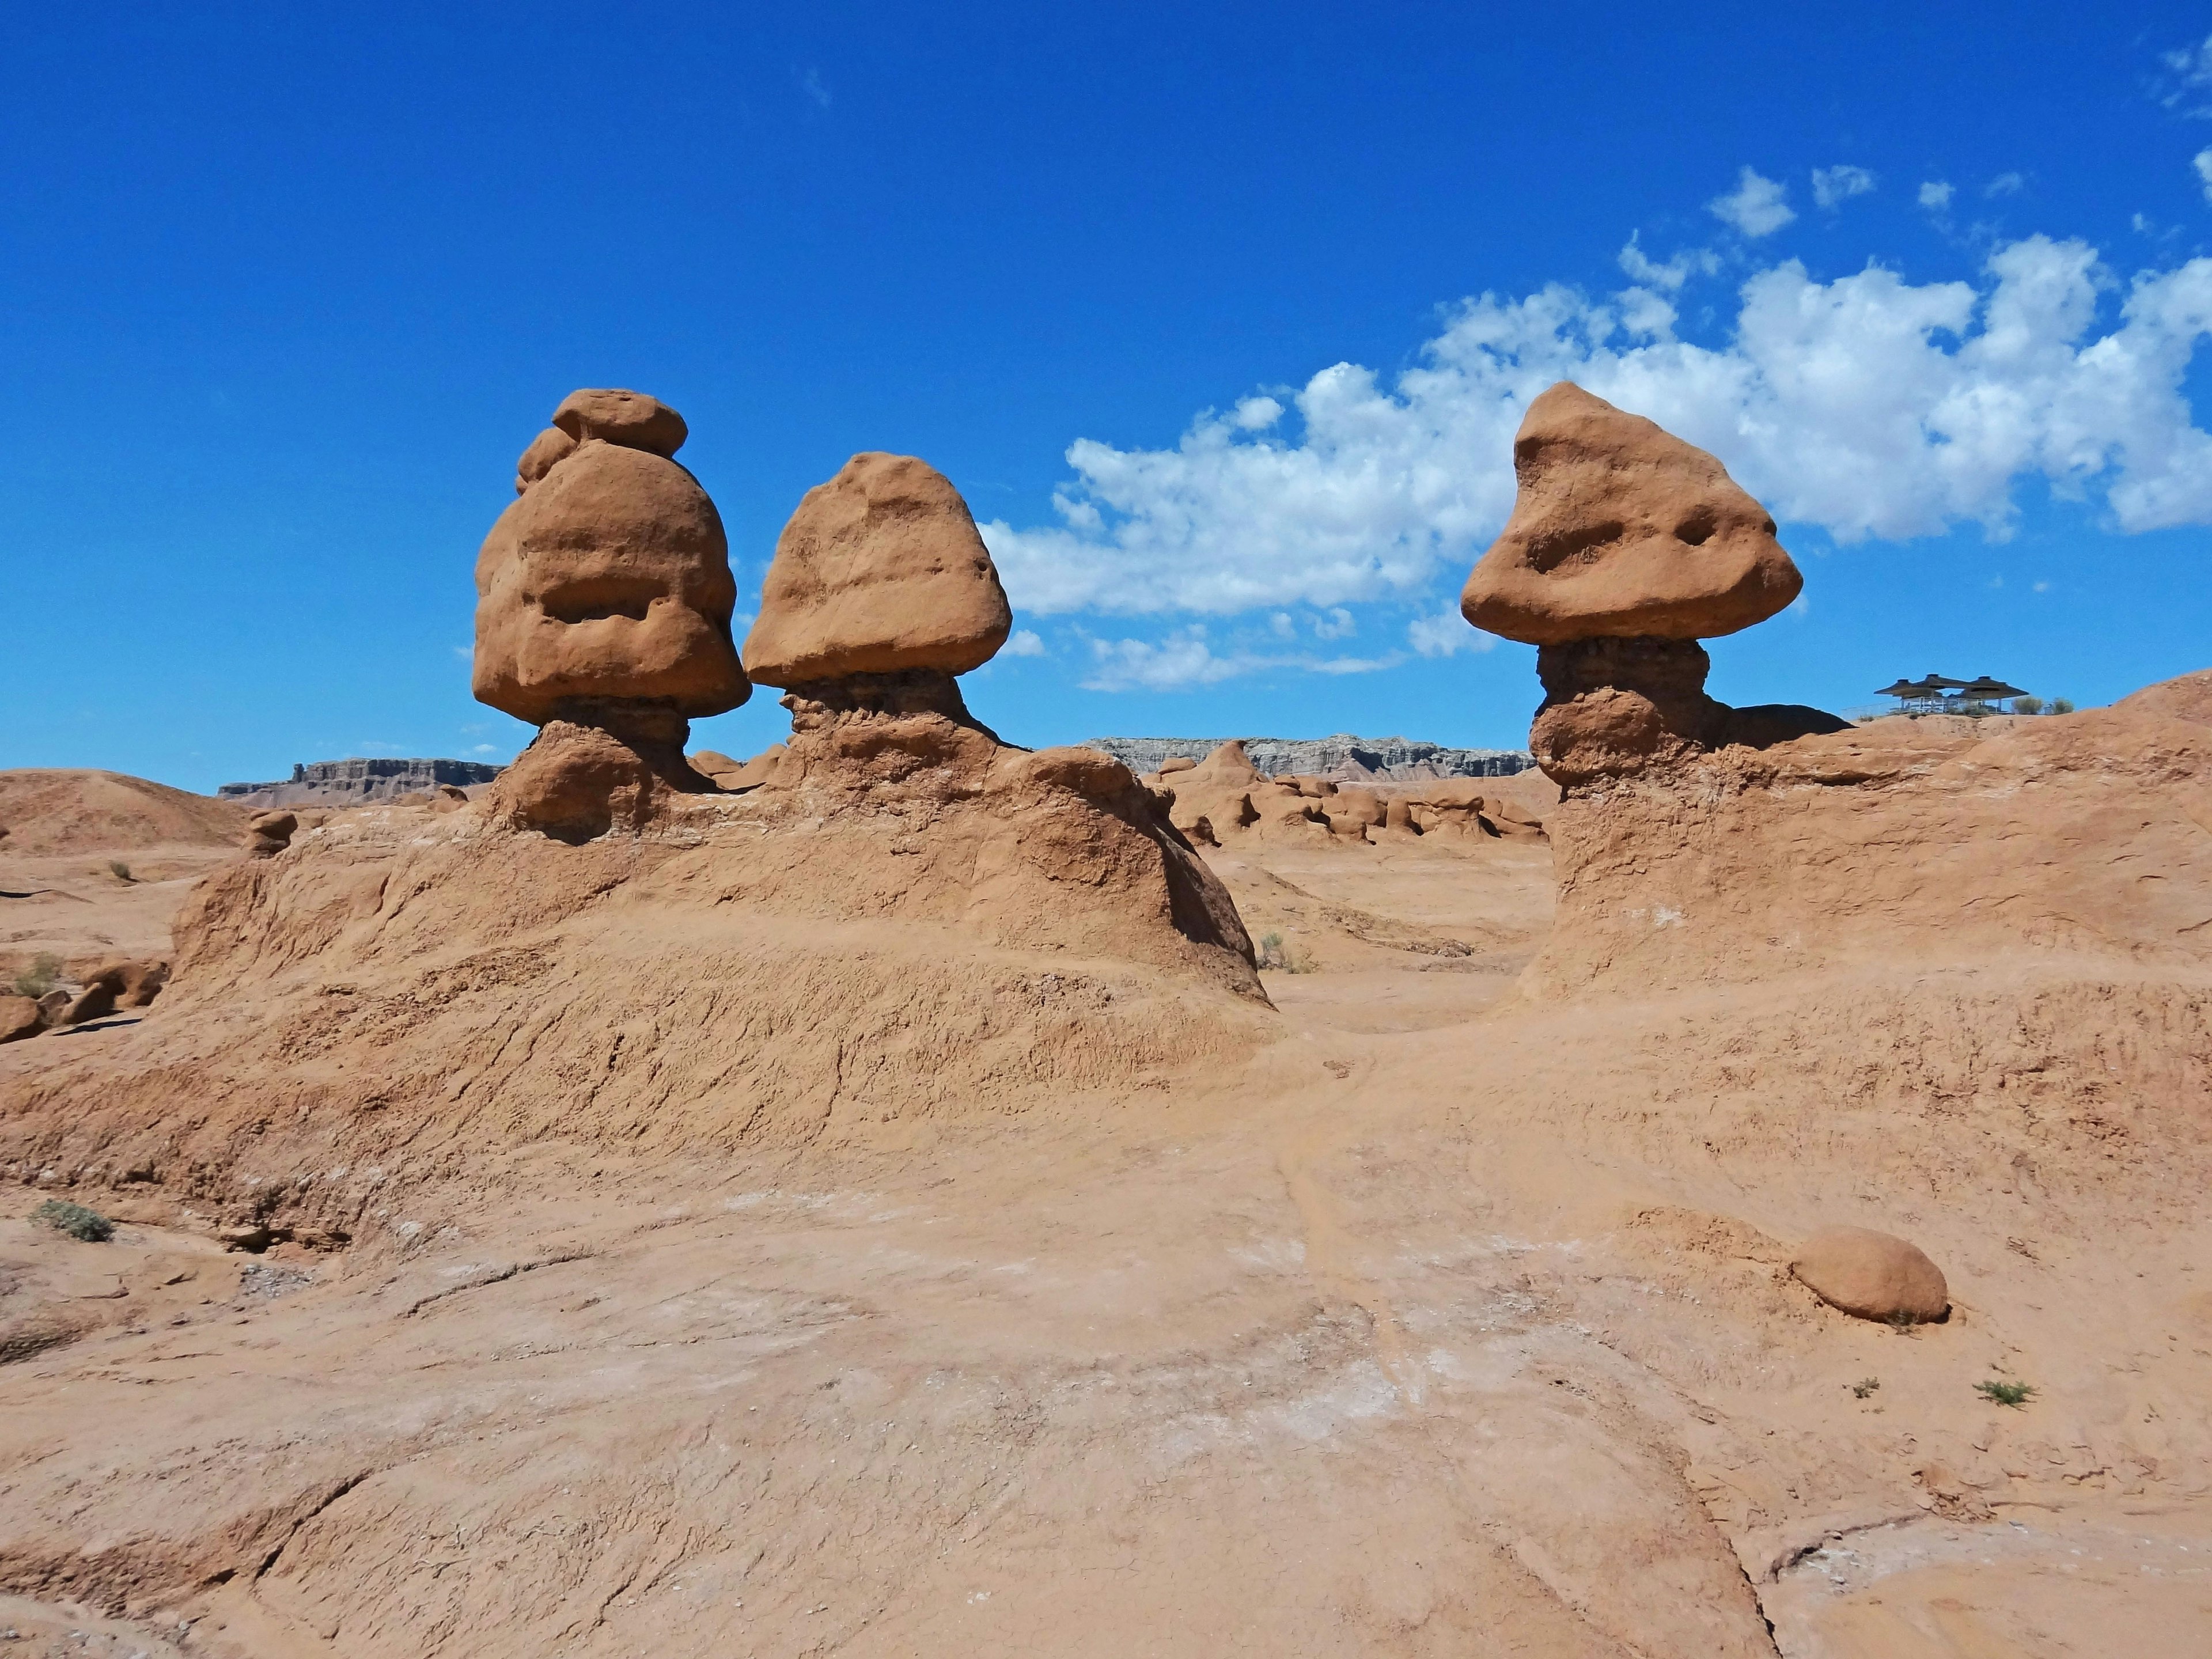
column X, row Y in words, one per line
column 41, row 977
column 2005, row 1394
column 1864, row 1387
column 76, row 1220
column 119, row 870
column 2062, row 705
column 1284, row 959
column 2027, row 705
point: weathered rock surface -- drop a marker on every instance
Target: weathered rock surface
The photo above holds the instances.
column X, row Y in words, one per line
column 357, row 782
column 1343, row 758
column 1621, row 530
column 546, row 450
column 19, row 1019
column 1873, row 1275
column 1625, row 546
column 268, row 834
column 630, row 419
column 880, row 571
column 609, row 579
column 76, row 812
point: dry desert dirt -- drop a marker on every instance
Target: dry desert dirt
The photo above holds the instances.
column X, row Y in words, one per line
column 1441, row 1307
column 906, row 1194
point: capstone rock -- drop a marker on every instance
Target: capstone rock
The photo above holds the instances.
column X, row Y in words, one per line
column 1620, row 529
column 880, row 571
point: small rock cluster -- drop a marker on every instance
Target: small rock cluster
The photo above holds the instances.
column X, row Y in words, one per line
column 112, row 985
column 1626, row 546
column 1225, row 793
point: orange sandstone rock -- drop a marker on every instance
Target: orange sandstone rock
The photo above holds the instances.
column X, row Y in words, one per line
column 880, row 571
column 1871, row 1275
column 1621, row 529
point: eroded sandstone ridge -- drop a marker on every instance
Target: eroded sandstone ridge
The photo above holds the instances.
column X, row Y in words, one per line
column 900, row 917
column 604, row 597
column 1627, row 546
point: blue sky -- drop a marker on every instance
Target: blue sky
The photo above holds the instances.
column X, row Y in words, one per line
column 1220, row 317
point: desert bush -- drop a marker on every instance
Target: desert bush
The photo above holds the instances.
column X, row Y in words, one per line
column 75, row 1219
column 2005, row 1394
column 1284, row 959
column 1864, row 1388
column 2027, row 705
column 119, row 869
column 41, row 977
column 2062, row 705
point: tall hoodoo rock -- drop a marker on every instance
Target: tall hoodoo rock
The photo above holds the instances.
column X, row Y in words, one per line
column 604, row 595
column 1627, row 546
column 881, row 591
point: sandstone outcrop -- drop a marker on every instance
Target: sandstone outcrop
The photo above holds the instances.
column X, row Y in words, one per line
column 893, row 915
column 268, row 834
column 19, row 1019
column 1625, row 547
column 880, row 571
column 604, row 598
column 1342, row 758
column 630, row 419
column 1620, row 530
column 1873, row 1275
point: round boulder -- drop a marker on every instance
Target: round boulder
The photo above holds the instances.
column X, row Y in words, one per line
column 880, row 571
column 1871, row 1275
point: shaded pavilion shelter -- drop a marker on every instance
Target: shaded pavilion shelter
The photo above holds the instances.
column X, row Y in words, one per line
column 1939, row 693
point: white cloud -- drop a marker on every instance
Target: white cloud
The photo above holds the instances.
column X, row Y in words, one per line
column 1936, row 195
column 1758, row 206
column 1184, row 660
column 484, row 749
column 2204, row 165
column 1866, row 406
column 1338, row 624
column 811, row 83
column 1257, row 414
column 1687, row 263
column 2005, row 184
column 1447, row 634
column 1023, row 643
column 2192, row 79
column 1833, row 186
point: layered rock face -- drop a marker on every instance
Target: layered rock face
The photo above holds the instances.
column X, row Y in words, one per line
column 1626, row 546
column 896, row 916
column 604, row 598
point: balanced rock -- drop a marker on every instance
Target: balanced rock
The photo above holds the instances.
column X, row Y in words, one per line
column 879, row 572
column 1626, row 546
column 1621, row 529
column 604, row 598
column 609, row 578
column 628, row 418
column 1871, row 1275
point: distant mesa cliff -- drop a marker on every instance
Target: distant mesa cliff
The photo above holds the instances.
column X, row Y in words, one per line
column 1343, row 757
column 355, row 782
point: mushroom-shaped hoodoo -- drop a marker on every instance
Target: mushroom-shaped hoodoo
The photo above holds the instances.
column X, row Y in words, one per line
column 1626, row 546
column 604, row 595
column 880, row 575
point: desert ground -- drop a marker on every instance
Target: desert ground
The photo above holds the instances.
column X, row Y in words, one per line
column 1436, row 1302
